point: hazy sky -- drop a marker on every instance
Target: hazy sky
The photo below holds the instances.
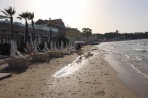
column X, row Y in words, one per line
column 100, row 15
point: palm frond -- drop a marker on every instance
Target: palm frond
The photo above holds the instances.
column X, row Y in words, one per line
column 9, row 11
column 31, row 16
column 24, row 15
column 5, row 13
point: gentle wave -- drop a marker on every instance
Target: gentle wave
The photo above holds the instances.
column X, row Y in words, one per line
column 143, row 44
column 139, row 71
column 127, row 56
column 141, row 50
column 139, row 58
column 143, row 72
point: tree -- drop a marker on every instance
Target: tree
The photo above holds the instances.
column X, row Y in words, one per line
column 25, row 15
column 31, row 17
column 10, row 13
column 87, row 32
column 117, row 31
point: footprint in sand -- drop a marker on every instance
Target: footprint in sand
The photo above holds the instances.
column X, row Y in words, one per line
column 100, row 93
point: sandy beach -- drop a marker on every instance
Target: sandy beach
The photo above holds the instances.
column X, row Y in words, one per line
column 91, row 78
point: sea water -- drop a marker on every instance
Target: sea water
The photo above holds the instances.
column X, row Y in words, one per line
column 130, row 59
column 132, row 52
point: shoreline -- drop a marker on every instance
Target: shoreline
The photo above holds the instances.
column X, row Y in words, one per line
column 129, row 76
column 95, row 79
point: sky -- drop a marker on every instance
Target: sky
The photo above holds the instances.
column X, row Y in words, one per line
column 99, row 15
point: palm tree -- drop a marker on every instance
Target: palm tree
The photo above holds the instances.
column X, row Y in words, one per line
column 25, row 15
column 87, row 32
column 10, row 13
column 31, row 17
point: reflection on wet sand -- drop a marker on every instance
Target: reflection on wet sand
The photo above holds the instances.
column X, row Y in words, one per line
column 74, row 66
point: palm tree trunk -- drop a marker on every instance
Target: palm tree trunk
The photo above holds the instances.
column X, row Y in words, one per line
column 50, row 34
column 11, row 19
column 33, row 34
column 2, row 39
column 26, row 34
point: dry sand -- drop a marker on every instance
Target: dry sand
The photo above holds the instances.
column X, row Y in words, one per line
column 94, row 79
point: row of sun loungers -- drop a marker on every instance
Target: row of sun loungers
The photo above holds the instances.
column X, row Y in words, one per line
column 23, row 61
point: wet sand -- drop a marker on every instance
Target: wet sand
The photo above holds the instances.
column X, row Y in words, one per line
column 93, row 78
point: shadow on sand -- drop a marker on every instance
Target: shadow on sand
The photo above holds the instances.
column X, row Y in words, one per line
column 13, row 70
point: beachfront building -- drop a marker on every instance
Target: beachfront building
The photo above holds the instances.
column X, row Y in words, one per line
column 93, row 39
column 57, row 31
column 58, row 23
column 41, row 38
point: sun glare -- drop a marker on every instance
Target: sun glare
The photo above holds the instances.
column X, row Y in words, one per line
column 59, row 8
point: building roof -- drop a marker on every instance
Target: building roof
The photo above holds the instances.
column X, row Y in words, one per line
column 40, row 21
column 58, row 22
